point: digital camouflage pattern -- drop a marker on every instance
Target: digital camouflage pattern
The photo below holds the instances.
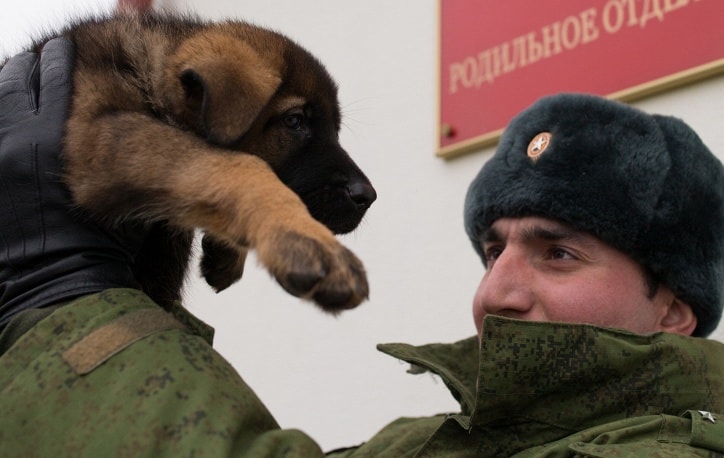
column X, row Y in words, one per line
column 112, row 374
column 562, row 390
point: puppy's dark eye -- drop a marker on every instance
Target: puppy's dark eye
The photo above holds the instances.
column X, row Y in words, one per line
column 293, row 121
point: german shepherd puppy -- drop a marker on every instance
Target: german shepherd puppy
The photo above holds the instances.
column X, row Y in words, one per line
column 224, row 127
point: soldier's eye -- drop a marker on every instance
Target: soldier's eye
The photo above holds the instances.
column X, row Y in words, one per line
column 492, row 253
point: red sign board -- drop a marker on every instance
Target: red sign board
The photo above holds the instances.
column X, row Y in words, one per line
column 498, row 56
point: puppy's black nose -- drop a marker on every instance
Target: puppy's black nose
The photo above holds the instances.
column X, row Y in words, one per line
column 362, row 194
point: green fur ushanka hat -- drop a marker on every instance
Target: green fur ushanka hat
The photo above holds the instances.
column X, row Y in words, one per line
column 644, row 184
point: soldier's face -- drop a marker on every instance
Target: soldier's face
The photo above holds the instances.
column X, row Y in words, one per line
column 540, row 269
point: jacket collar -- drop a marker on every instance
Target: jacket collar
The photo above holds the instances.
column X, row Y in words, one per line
column 569, row 377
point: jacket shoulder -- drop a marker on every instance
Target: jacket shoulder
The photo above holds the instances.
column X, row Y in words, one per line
column 695, row 433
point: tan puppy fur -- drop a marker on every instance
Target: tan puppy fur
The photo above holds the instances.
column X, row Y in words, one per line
column 223, row 127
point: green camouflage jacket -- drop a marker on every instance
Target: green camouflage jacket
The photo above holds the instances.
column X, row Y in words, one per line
column 112, row 374
column 532, row 389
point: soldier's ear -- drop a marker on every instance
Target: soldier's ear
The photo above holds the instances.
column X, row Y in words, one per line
column 678, row 317
column 224, row 84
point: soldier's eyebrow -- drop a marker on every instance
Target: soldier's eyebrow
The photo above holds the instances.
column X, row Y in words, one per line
column 491, row 235
column 539, row 232
column 551, row 234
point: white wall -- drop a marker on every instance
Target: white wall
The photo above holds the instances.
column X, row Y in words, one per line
column 322, row 374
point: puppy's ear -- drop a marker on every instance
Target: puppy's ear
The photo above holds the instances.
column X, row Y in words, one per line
column 219, row 85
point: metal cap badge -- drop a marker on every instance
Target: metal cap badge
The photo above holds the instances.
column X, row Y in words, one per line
column 538, row 145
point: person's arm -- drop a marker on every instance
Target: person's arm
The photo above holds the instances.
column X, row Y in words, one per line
column 156, row 389
column 403, row 437
column 49, row 253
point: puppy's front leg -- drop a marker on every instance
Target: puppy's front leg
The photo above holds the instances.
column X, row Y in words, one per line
column 124, row 165
column 221, row 264
column 238, row 198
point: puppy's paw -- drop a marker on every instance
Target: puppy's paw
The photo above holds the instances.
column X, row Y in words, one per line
column 321, row 270
column 221, row 264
